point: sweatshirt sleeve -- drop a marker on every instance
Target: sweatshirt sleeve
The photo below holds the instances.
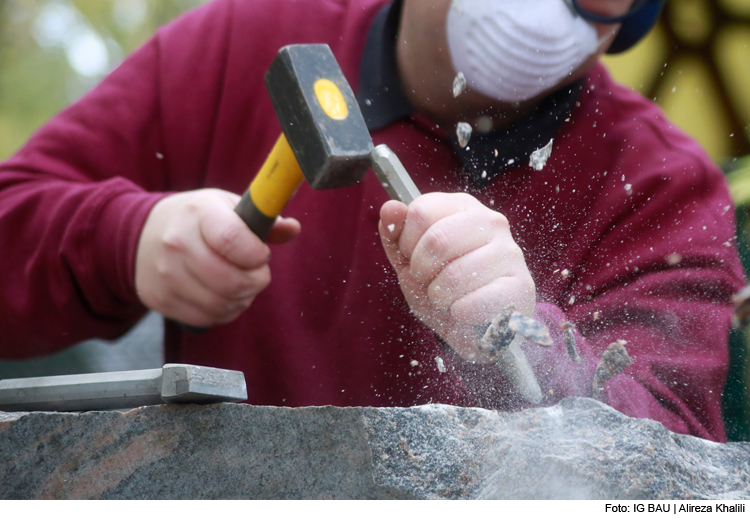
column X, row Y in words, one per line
column 74, row 199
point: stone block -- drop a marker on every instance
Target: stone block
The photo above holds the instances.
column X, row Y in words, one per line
column 577, row 449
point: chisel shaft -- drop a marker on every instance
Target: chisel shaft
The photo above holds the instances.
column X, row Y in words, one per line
column 392, row 174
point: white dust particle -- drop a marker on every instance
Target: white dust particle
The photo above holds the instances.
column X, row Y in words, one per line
column 511, row 161
column 628, row 189
column 391, row 227
column 496, row 152
column 572, row 299
column 440, row 364
column 564, row 273
column 414, row 363
column 484, row 174
column 463, row 132
column 159, row 155
column 459, row 83
column 540, row 156
column 596, row 316
column 484, row 124
column 674, row 259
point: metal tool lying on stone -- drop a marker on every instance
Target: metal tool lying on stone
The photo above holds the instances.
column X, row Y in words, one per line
column 174, row 383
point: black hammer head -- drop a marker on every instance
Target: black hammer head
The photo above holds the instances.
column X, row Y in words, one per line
column 319, row 115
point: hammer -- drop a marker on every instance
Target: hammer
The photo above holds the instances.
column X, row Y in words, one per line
column 324, row 137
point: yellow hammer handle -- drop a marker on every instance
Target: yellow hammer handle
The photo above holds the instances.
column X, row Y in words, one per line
column 271, row 189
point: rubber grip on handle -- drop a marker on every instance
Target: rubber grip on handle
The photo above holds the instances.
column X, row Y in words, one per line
column 258, row 223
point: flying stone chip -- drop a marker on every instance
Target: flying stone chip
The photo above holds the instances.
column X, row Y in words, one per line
column 459, row 84
column 614, row 360
column 440, row 365
column 498, row 336
column 570, row 341
column 530, row 328
column 539, row 157
column 496, row 346
column 463, row 133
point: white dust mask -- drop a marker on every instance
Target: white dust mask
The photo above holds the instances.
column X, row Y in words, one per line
column 513, row 50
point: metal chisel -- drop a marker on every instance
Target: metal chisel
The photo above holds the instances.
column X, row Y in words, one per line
column 174, row 383
column 392, row 174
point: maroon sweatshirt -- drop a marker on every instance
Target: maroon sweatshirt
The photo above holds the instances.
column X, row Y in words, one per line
column 632, row 208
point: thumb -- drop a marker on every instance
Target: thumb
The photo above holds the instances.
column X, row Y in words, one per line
column 392, row 219
column 284, row 230
column 391, row 225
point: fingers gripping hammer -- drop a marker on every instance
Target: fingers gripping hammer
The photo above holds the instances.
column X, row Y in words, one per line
column 324, row 137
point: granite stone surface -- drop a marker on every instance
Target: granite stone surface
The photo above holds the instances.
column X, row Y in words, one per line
column 577, row 449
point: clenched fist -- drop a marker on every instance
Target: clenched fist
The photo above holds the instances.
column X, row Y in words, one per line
column 197, row 261
column 457, row 265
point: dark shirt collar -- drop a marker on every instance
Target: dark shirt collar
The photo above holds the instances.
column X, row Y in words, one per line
column 383, row 102
column 380, row 94
column 489, row 155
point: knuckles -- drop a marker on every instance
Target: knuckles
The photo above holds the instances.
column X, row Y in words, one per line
column 241, row 285
column 498, row 221
column 227, row 240
column 436, row 242
column 174, row 240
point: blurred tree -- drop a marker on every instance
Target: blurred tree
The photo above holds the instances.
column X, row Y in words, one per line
column 696, row 66
column 53, row 51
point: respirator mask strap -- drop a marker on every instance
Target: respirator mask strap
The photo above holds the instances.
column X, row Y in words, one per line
column 591, row 17
column 634, row 25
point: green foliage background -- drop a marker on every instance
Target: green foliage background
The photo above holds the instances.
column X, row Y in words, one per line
column 37, row 81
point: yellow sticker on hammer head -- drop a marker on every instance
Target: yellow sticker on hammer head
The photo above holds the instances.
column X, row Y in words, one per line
column 331, row 99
